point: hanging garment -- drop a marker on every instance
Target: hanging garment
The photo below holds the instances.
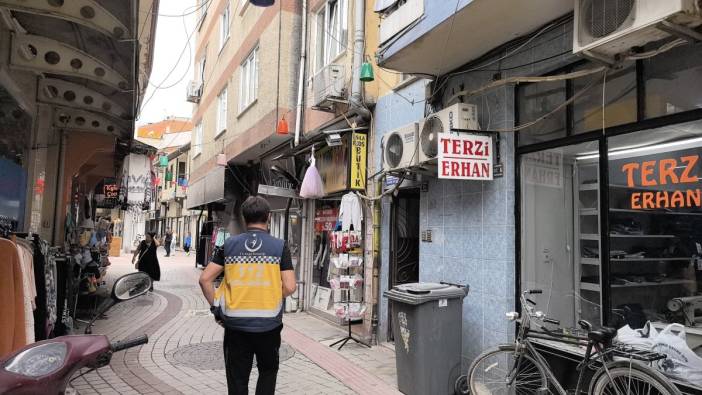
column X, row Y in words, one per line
column 350, row 212
column 40, row 313
column 50, row 281
column 30, row 292
column 12, row 329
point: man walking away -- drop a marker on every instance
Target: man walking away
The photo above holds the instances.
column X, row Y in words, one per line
column 167, row 242
column 258, row 275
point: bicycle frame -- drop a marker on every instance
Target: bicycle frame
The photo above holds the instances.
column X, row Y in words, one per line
column 523, row 344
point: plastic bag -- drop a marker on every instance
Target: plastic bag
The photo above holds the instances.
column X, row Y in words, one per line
column 312, row 186
column 640, row 338
column 682, row 363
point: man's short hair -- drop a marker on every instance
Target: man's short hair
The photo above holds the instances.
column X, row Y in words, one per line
column 255, row 210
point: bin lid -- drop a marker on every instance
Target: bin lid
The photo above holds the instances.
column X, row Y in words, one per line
column 418, row 293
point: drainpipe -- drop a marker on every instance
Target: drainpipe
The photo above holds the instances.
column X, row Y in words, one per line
column 359, row 33
column 301, row 76
column 376, row 260
column 58, row 196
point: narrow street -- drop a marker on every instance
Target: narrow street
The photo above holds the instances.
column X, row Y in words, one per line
column 184, row 354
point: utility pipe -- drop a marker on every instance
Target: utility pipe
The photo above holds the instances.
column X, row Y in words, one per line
column 376, row 259
column 59, row 193
column 359, row 44
column 301, row 76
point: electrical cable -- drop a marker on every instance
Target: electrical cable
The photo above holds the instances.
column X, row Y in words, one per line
column 195, row 8
column 187, row 45
column 187, row 70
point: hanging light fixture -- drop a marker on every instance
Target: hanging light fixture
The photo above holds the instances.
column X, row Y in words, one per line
column 169, row 176
column 282, row 128
column 221, row 159
column 163, row 160
column 367, row 71
column 262, row 3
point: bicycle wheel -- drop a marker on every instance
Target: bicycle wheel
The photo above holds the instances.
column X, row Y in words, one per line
column 488, row 374
column 631, row 378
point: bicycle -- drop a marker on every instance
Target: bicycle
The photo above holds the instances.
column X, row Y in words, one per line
column 520, row 368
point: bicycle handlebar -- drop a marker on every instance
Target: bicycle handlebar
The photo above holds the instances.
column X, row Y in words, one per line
column 125, row 344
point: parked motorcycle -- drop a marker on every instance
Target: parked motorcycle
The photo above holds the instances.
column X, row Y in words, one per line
column 47, row 367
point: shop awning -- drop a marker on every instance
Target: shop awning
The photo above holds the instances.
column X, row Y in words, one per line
column 218, row 186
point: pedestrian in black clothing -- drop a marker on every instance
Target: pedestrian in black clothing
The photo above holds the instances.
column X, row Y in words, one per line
column 145, row 259
column 167, row 242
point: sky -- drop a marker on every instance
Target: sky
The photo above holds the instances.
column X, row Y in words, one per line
column 171, row 39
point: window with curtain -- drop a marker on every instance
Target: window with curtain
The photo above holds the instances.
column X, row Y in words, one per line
column 221, row 112
column 248, row 85
column 332, row 31
column 224, row 27
column 197, row 139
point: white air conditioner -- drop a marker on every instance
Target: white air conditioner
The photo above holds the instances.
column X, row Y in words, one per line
column 194, row 91
column 460, row 116
column 607, row 28
column 400, row 148
column 328, row 85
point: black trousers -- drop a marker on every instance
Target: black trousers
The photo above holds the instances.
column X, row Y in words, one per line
column 239, row 350
column 167, row 246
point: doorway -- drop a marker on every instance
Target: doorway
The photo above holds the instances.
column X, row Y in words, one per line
column 404, row 242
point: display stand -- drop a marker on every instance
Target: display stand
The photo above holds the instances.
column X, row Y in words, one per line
column 349, row 336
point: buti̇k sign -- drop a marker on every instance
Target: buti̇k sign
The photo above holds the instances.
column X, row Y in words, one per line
column 465, row 156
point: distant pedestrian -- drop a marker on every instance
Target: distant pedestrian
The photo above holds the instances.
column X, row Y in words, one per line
column 167, row 241
column 145, row 258
column 187, row 242
column 249, row 302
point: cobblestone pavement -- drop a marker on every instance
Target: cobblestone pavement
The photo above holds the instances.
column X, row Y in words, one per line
column 184, row 353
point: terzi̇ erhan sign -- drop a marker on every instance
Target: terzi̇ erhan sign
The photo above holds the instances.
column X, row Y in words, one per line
column 664, row 183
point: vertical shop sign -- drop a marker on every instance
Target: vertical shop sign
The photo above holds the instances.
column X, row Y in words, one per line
column 465, row 157
column 358, row 161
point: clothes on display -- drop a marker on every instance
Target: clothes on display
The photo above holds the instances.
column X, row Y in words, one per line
column 350, row 212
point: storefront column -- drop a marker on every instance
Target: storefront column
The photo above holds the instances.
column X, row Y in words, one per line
column 307, row 253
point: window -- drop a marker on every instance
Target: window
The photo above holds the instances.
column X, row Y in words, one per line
column 537, row 100
column 672, row 81
column 224, row 27
column 197, row 139
column 201, row 69
column 560, row 245
column 655, row 225
column 332, row 31
column 248, row 86
column 221, row 112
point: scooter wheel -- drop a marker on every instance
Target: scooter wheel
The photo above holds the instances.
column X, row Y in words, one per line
column 461, row 386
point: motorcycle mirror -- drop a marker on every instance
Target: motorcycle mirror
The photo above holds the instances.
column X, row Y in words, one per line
column 130, row 286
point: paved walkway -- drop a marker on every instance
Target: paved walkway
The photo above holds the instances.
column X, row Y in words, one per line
column 184, row 353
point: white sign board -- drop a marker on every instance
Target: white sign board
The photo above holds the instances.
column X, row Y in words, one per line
column 465, row 157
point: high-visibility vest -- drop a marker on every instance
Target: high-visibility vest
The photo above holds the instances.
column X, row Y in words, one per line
column 250, row 296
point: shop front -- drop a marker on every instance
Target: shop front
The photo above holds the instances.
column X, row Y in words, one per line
column 338, row 272
column 609, row 199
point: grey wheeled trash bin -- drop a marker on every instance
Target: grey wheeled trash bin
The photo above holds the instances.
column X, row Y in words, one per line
column 426, row 322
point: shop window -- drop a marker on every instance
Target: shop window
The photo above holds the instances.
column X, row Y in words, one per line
column 248, row 86
column 619, row 100
column 672, row 81
column 655, row 225
column 332, row 31
column 537, row 100
column 560, row 230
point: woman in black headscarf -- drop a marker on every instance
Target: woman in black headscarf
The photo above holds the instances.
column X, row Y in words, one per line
column 145, row 258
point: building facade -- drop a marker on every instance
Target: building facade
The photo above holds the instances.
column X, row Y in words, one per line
column 571, row 213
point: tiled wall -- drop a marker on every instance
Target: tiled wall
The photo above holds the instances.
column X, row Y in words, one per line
column 472, row 222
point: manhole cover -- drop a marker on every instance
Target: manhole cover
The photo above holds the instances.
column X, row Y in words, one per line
column 210, row 356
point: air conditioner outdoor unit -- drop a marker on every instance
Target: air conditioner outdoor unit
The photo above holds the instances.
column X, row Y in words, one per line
column 194, row 91
column 607, row 28
column 328, row 85
column 460, row 116
column 400, row 148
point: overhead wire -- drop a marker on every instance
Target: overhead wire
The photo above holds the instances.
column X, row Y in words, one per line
column 185, row 47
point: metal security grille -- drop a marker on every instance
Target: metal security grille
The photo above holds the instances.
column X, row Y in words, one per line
column 603, row 17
